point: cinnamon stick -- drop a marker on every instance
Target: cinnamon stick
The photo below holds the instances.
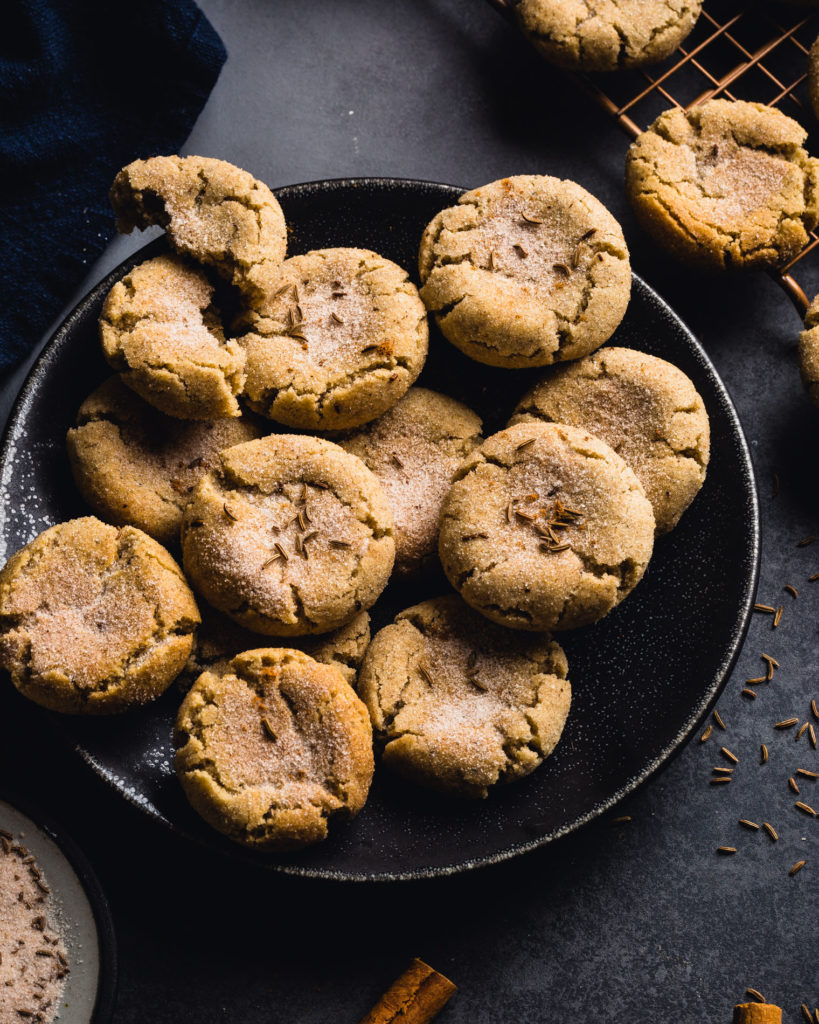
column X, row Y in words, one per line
column 415, row 998
column 757, row 1013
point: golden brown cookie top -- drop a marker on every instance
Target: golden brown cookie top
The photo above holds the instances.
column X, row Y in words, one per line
column 726, row 183
column 414, row 449
column 160, row 330
column 459, row 703
column 290, row 535
column 645, row 408
column 526, row 271
column 94, row 618
column 602, row 35
column 545, row 527
column 274, row 747
column 339, row 340
column 211, row 210
column 136, row 466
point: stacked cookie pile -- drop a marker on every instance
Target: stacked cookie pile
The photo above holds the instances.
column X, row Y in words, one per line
column 289, row 538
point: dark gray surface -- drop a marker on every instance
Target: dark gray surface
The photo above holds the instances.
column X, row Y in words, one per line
column 642, row 923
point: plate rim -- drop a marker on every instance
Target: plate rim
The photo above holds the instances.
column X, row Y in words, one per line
column 659, row 763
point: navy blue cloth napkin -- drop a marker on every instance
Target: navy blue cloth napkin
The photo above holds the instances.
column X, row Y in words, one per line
column 86, row 86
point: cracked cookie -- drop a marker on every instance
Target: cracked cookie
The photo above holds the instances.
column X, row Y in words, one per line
column 725, row 184
column 603, row 35
column 219, row 639
column 94, row 619
column 809, row 352
column 340, row 339
column 271, row 750
column 646, row 409
column 545, row 527
column 525, row 271
column 215, row 212
column 160, row 330
column 289, row 535
column 413, row 450
column 135, row 466
column 460, row 704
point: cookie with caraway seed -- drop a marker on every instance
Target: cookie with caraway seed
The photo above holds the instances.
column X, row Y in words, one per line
column 339, row 340
column 725, row 184
column 413, row 450
column 526, row 271
column 273, row 749
column 460, row 704
column 94, row 619
column 645, row 408
column 545, row 527
column 289, row 535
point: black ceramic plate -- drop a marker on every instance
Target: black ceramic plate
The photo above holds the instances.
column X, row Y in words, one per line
column 642, row 679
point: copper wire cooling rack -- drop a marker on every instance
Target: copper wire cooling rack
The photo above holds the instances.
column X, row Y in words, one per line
column 752, row 51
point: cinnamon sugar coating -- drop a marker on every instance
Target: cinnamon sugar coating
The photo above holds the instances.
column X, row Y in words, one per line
column 94, row 619
column 459, row 704
column 725, row 184
column 211, row 210
column 290, row 535
column 160, row 330
column 135, row 466
column 414, row 449
column 273, row 749
column 602, row 35
column 645, row 409
column 545, row 527
column 526, row 271
column 338, row 341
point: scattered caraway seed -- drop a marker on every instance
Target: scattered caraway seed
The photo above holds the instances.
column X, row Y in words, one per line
column 756, row 994
column 814, row 578
column 721, row 770
column 562, row 268
column 336, row 317
column 424, row 673
column 749, row 693
column 777, row 617
column 520, row 250
column 812, row 736
column 726, row 849
column 530, row 220
column 808, row 774
column 525, row 444
column 763, row 754
column 749, row 824
column 718, row 720
column 720, row 779
column 396, row 461
column 340, row 544
column 280, row 549
column 805, row 809
column 757, row 679
column 767, row 608
column 230, row 513
column 621, row 820
column 786, row 723
column 792, row 784
column 770, row 830
column 707, row 734
column 732, row 757
column 804, row 543
column 802, row 729
column 815, row 709
column 806, row 1012
column 271, row 560
column 816, row 1014
column 798, row 867
column 267, row 728
column 791, row 590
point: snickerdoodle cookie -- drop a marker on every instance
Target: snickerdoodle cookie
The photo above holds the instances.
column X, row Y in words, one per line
column 273, row 748
column 94, row 619
column 413, row 450
column 809, row 352
column 460, row 704
column 215, row 212
column 160, row 330
column 289, row 535
column 602, row 35
column 725, row 184
column 526, row 271
column 647, row 410
column 134, row 465
column 545, row 527
column 219, row 639
column 339, row 340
